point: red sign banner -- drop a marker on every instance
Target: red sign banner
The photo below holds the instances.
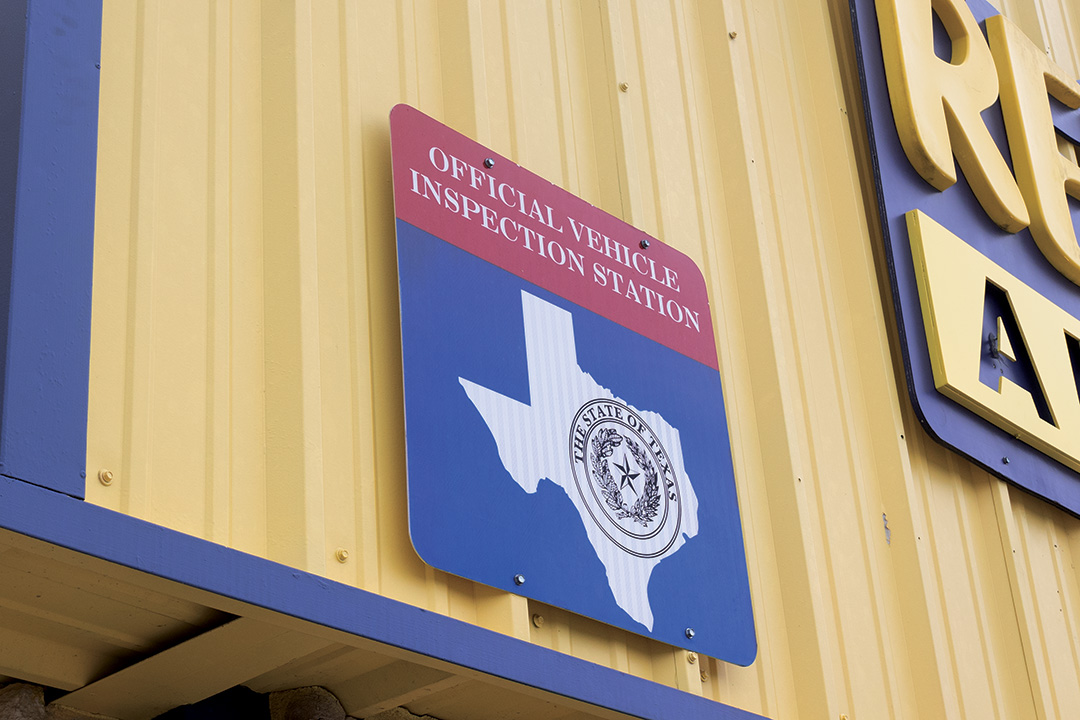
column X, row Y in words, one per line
column 460, row 191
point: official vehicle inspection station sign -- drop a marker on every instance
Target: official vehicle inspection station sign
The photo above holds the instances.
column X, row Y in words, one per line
column 974, row 132
column 565, row 425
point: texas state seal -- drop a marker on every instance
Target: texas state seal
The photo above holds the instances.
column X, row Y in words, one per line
column 624, row 478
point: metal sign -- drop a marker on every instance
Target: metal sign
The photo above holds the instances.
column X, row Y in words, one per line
column 565, row 425
column 975, row 131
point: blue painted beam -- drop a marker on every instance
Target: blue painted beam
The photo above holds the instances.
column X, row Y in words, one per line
column 61, row 520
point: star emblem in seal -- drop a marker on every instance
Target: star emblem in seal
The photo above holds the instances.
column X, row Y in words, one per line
column 627, row 476
column 611, row 447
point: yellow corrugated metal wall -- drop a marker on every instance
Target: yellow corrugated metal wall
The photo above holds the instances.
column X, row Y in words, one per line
column 246, row 369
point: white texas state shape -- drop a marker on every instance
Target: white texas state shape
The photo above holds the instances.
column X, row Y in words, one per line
column 533, row 444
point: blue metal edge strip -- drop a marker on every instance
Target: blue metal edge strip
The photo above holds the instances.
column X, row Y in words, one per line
column 12, row 59
column 48, row 263
column 74, row 524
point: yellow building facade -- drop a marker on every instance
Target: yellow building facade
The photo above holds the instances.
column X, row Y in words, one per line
column 245, row 381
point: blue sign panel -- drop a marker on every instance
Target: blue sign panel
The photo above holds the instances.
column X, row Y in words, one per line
column 552, row 451
column 961, row 113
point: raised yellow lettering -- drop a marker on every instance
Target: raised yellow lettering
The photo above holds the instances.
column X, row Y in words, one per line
column 954, row 279
column 937, row 104
column 1028, row 79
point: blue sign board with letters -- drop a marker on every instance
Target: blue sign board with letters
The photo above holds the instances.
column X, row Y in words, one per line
column 974, row 133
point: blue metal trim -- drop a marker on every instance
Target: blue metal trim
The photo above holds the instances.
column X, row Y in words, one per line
column 46, row 251
column 12, row 57
column 58, row 519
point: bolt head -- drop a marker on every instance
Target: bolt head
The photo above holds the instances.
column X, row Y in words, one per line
column 519, row 579
column 733, row 34
column 704, row 676
column 105, row 476
column 644, row 244
column 1005, row 461
column 489, row 163
column 690, row 633
column 342, row 555
column 538, row 620
column 624, row 86
column 691, row 657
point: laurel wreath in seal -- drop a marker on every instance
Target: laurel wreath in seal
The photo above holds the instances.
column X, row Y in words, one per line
column 603, row 445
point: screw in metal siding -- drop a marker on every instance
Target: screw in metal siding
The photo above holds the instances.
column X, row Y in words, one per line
column 538, row 620
column 519, row 579
column 489, row 163
column 644, row 244
column 342, row 555
column 704, row 676
column 105, row 476
column 1005, row 461
column 733, row 34
column 691, row 657
column 689, row 633
column 624, row 86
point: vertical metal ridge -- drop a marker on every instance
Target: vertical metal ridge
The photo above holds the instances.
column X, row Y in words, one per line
column 211, row 501
column 563, row 114
column 812, row 114
column 294, row 451
column 136, row 466
column 383, row 472
column 218, row 498
column 400, row 573
column 516, row 84
column 129, row 381
column 353, row 216
column 645, row 211
column 693, row 110
column 367, row 517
